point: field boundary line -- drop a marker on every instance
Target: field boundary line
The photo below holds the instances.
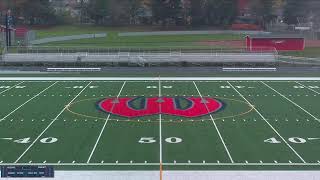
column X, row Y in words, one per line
column 160, row 129
column 297, row 105
column 29, row 100
column 51, row 123
column 104, row 126
column 156, row 78
column 11, row 87
column 215, row 125
column 308, row 88
column 285, row 141
column 165, row 164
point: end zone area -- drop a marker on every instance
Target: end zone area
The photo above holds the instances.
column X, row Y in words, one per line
column 262, row 123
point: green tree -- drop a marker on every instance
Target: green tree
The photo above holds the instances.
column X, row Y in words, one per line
column 220, row 12
column 98, row 10
column 38, row 12
column 293, row 10
column 166, row 10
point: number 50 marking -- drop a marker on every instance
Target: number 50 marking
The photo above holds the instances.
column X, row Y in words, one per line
column 150, row 140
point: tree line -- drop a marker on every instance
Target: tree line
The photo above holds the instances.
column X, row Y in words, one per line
column 160, row 12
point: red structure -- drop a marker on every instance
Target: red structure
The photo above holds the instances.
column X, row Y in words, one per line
column 280, row 42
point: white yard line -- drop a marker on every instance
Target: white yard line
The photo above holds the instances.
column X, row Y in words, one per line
column 285, row 141
column 165, row 164
column 29, row 100
column 51, row 123
column 308, row 88
column 156, row 78
column 216, row 127
column 11, row 87
column 104, row 126
column 160, row 124
column 317, row 119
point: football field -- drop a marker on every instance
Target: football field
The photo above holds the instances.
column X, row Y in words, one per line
column 174, row 124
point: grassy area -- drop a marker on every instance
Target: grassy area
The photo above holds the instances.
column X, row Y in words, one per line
column 113, row 40
column 312, row 52
column 74, row 30
column 278, row 134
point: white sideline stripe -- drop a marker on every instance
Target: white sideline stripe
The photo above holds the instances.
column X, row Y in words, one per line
column 29, row 100
column 216, row 127
column 308, row 88
column 166, row 164
column 51, row 123
column 104, row 126
column 317, row 119
column 156, row 78
column 268, row 123
column 160, row 124
column 11, row 87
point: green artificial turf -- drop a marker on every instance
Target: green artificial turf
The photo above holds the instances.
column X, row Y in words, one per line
column 280, row 132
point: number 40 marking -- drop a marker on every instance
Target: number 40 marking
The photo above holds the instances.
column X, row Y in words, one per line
column 296, row 140
column 27, row 140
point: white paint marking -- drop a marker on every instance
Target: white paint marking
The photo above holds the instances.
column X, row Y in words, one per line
column 160, row 123
column 104, row 126
column 51, row 123
column 11, row 87
column 317, row 119
column 216, row 127
column 29, row 100
column 308, row 88
column 295, row 152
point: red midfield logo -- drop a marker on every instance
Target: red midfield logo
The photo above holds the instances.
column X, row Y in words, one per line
column 132, row 107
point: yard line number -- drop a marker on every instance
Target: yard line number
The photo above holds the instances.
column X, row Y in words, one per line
column 150, row 140
column 47, row 140
column 16, row 87
column 295, row 140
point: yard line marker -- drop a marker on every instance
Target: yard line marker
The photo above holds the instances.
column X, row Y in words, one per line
column 104, row 126
column 308, row 88
column 317, row 119
column 216, row 127
column 168, row 164
column 30, row 100
column 285, row 141
column 11, row 87
column 160, row 128
column 51, row 122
